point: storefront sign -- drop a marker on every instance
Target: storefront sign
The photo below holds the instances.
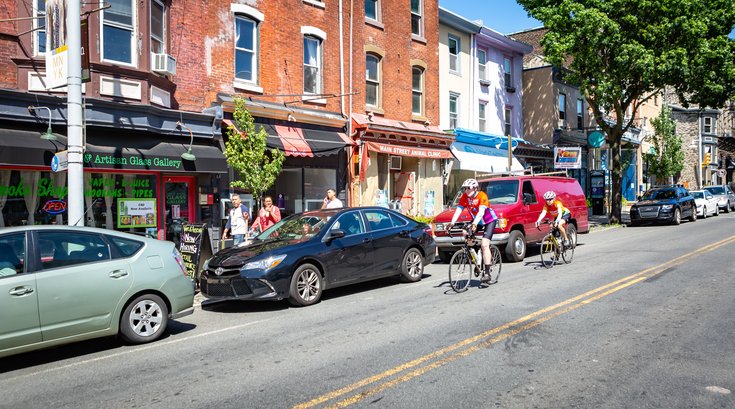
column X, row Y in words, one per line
column 60, row 162
column 190, row 246
column 130, row 162
column 568, row 158
column 56, row 44
column 136, row 213
column 54, row 207
column 409, row 151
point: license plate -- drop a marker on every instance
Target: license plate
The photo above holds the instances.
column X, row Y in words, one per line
column 648, row 209
column 217, row 281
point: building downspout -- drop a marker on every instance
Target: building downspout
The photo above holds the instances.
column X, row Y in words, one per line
column 700, row 183
column 349, row 99
column 350, row 150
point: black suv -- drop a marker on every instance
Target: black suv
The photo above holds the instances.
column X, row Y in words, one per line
column 664, row 204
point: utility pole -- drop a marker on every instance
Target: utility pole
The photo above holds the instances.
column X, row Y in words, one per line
column 74, row 109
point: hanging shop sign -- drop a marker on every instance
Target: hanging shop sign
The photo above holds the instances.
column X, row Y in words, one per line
column 60, row 161
column 568, row 157
column 136, row 213
column 54, row 207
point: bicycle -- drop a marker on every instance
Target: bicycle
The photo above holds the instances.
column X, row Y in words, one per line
column 466, row 262
column 553, row 248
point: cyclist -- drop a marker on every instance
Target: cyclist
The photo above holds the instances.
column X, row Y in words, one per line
column 478, row 205
column 556, row 209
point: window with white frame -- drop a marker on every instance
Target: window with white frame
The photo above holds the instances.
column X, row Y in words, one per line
column 508, row 71
column 453, row 110
column 454, row 49
column 508, row 121
column 562, row 107
column 372, row 80
column 482, row 65
column 39, row 23
column 481, row 125
column 708, row 125
column 372, row 9
column 580, row 113
column 312, row 65
column 417, row 91
column 417, row 12
column 158, row 27
column 118, row 32
column 246, row 49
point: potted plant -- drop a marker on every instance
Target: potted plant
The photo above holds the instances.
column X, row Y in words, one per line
column 589, row 207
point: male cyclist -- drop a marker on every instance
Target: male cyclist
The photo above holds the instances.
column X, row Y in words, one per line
column 478, row 205
column 556, row 209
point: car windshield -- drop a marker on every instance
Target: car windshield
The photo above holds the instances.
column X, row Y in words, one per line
column 697, row 195
column 716, row 190
column 657, row 194
column 498, row 192
column 297, row 227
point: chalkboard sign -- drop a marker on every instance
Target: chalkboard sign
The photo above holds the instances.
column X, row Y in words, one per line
column 191, row 245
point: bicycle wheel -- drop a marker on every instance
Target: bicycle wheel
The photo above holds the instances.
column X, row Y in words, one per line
column 548, row 251
column 497, row 264
column 460, row 271
column 567, row 252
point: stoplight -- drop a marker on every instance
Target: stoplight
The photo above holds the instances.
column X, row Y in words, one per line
column 707, row 159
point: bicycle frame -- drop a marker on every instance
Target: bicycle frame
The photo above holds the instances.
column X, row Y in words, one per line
column 467, row 255
column 551, row 244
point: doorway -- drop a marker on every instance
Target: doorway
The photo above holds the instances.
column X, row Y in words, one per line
column 178, row 204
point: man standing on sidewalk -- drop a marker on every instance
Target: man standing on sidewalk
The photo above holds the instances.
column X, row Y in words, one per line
column 331, row 201
column 237, row 222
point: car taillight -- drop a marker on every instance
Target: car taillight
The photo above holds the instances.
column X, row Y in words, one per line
column 179, row 260
column 428, row 230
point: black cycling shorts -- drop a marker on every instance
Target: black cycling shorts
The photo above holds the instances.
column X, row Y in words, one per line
column 489, row 229
column 566, row 217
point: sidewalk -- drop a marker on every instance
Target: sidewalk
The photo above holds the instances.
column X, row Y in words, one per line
column 602, row 222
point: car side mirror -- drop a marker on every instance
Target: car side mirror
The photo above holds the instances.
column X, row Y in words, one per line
column 639, row 198
column 334, row 234
column 527, row 199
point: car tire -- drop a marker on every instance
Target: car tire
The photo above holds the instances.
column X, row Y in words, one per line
column 412, row 267
column 446, row 256
column 717, row 210
column 677, row 217
column 635, row 223
column 306, row 286
column 144, row 319
column 727, row 207
column 515, row 250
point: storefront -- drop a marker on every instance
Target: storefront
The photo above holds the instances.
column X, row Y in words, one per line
column 399, row 165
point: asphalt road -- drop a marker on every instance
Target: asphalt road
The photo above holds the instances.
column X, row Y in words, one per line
column 642, row 318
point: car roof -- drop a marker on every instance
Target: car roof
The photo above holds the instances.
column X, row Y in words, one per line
column 86, row 229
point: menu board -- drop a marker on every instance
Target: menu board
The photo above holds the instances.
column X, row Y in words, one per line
column 136, row 213
column 191, row 243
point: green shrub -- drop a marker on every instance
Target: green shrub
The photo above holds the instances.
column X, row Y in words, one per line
column 589, row 203
column 423, row 219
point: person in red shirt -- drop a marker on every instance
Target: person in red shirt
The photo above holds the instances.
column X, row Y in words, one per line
column 268, row 215
column 478, row 204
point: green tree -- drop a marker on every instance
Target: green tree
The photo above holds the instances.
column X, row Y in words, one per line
column 668, row 158
column 255, row 165
column 622, row 52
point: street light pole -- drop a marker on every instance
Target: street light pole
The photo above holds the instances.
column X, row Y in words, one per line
column 510, row 154
column 74, row 122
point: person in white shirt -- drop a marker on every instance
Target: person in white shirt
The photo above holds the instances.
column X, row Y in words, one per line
column 237, row 222
column 331, row 201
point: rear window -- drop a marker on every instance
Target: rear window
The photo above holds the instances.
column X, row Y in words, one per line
column 716, row 190
column 127, row 247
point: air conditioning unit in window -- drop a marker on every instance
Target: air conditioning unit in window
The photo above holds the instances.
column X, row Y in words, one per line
column 395, row 163
column 163, row 64
column 562, row 124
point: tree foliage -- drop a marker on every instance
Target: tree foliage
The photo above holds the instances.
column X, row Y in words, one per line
column 247, row 154
column 668, row 158
column 622, row 52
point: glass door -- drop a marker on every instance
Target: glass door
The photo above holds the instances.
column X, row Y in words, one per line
column 178, row 204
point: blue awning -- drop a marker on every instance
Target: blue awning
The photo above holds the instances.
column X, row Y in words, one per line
column 484, row 158
column 485, row 139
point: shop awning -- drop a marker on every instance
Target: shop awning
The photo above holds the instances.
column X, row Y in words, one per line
column 122, row 152
column 304, row 140
column 483, row 158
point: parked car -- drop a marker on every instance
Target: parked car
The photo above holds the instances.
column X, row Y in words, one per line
column 668, row 203
column 60, row 284
column 304, row 254
column 707, row 204
column 725, row 197
column 518, row 202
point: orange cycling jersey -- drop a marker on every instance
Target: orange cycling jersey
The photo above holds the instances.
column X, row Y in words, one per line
column 554, row 211
column 473, row 206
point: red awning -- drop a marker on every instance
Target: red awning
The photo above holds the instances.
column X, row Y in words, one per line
column 411, row 151
column 294, row 143
column 303, row 141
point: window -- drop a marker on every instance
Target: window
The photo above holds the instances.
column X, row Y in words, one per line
column 529, row 195
column 417, row 88
column 40, row 25
column 118, row 32
column 481, row 116
column 580, row 114
column 127, row 247
column 481, row 65
column 350, row 223
column 708, row 125
column 508, row 121
column 372, row 80
column 312, row 65
column 453, row 110
column 371, row 10
column 158, row 27
column 454, row 49
column 378, row 220
column 416, row 14
column 508, row 71
column 246, row 38
column 69, row 248
column 562, row 107
column 12, row 254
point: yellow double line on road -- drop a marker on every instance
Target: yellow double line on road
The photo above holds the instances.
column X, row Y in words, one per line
column 426, row 363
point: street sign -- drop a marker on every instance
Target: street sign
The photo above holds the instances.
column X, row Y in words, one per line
column 60, row 162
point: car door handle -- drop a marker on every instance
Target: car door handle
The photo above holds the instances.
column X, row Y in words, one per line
column 118, row 274
column 20, row 291
column 367, row 240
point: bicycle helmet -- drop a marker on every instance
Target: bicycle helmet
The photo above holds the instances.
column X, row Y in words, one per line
column 550, row 195
column 471, row 183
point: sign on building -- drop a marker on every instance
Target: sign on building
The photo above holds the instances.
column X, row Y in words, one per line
column 57, row 49
column 568, row 157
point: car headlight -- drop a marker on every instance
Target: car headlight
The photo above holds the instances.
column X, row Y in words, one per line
column 265, row 264
column 439, row 226
column 502, row 223
column 206, row 264
column 667, row 207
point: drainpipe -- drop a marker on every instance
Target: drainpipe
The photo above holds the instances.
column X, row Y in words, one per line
column 700, row 183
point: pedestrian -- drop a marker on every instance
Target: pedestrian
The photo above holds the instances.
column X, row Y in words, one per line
column 237, row 222
column 268, row 215
column 331, row 201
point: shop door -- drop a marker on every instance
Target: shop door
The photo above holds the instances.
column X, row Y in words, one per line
column 178, row 205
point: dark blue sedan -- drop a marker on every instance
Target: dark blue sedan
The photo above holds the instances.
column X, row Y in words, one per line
column 304, row 254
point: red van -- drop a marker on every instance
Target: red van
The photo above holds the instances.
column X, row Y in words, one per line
column 518, row 201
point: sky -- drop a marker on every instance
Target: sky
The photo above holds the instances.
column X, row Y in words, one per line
column 504, row 16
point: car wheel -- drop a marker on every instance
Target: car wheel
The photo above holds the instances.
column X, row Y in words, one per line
column 515, row 250
column 693, row 217
column 727, row 207
column 445, row 256
column 717, row 210
column 677, row 217
column 144, row 319
column 306, row 286
column 412, row 267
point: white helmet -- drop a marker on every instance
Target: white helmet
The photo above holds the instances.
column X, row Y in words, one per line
column 550, row 195
column 471, row 183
